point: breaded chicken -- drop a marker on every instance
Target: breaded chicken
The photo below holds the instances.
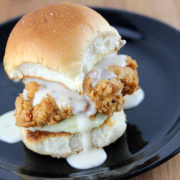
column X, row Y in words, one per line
column 24, row 112
column 44, row 113
column 31, row 88
column 107, row 95
column 127, row 75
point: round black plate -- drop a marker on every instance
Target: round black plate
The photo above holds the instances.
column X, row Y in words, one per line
column 153, row 131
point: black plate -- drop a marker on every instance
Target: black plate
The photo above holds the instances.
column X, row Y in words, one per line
column 153, row 131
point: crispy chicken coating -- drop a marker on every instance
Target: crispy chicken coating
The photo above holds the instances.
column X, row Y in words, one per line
column 107, row 95
column 127, row 75
column 44, row 113
column 31, row 88
column 24, row 112
column 47, row 112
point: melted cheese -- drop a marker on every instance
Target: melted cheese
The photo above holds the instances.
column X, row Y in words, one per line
column 72, row 124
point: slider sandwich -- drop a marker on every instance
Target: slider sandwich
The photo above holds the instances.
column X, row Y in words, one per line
column 66, row 56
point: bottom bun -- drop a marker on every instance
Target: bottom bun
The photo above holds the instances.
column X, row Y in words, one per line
column 62, row 144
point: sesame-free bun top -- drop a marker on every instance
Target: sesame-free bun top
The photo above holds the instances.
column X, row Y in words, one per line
column 59, row 43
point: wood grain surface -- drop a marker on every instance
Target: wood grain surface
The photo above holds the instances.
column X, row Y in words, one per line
column 167, row 11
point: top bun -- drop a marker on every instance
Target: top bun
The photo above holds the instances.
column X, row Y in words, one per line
column 59, row 43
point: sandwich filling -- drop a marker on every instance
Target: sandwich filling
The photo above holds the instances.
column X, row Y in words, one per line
column 45, row 103
column 50, row 107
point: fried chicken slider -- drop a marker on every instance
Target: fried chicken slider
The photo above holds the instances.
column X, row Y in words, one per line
column 74, row 80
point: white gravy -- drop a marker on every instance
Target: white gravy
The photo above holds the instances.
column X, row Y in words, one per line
column 100, row 70
column 87, row 159
column 134, row 100
column 62, row 95
column 115, row 59
column 90, row 156
column 9, row 132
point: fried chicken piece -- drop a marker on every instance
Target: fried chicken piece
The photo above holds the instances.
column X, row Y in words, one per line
column 31, row 88
column 23, row 112
column 127, row 75
column 47, row 112
column 107, row 95
column 44, row 113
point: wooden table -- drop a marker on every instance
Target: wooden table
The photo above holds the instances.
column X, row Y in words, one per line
column 164, row 10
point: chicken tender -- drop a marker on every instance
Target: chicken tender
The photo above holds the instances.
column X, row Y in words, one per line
column 44, row 113
column 127, row 75
column 24, row 112
column 31, row 88
column 107, row 95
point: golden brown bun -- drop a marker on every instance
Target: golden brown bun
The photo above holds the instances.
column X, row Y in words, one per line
column 59, row 43
column 61, row 144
